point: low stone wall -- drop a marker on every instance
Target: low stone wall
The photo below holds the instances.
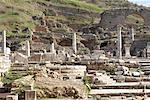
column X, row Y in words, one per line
column 72, row 71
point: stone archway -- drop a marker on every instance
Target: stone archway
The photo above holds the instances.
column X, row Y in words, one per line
column 114, row 17
column 134, row 19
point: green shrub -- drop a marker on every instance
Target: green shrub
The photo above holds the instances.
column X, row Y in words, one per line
column 87, row 82
column 9, row 77
column 83, row 51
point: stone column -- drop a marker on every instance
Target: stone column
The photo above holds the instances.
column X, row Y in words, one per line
column 145, row 52
column 132, row 33
column 30, row 95
column 12, row 97
column 148, row 50
column 119, row 44
column 4, row 42
column 127, row 50
column 28, row 48
column 31, row 35
column 53, row 48
column 74, row 43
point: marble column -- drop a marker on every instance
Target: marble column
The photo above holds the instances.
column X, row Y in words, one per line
column 119, row 44
column 4, row 42
column 28, row 48
column 74, row 43
column 30, row 95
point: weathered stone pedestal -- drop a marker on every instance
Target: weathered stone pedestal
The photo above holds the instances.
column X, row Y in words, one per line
column 127, row 50
column 12, row 97
column 30, row 95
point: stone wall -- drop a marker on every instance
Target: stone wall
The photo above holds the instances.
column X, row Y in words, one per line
column 42, row 57
column 18, row 57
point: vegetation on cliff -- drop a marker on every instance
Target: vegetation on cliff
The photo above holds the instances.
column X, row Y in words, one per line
column 16, row 15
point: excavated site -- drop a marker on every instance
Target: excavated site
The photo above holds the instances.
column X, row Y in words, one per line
column 73, row 53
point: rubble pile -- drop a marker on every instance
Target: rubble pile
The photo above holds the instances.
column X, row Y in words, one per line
column 49, row 87
column 57, row 92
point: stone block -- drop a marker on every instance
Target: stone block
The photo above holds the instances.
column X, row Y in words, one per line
column 30, row 95
column 12, row 97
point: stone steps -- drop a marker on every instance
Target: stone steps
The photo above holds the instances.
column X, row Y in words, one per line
column 106, row 79
column 145, row 65
column 19, row 69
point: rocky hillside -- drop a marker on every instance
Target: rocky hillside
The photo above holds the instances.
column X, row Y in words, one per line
column 18, row 16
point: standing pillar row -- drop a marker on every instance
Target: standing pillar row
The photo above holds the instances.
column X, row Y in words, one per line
column 74, row 43
column 119, row 44
column 127, row 44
